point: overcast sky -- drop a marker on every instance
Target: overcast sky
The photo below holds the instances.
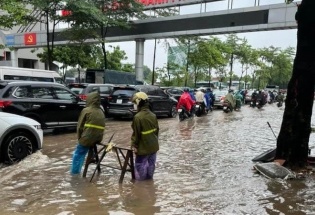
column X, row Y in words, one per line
column 280, row 38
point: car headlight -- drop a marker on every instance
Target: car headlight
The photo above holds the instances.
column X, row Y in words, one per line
column 38, row 127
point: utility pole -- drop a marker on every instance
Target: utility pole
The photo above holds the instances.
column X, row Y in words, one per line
column 187, row 63
column 231, row 70
column 153, row 69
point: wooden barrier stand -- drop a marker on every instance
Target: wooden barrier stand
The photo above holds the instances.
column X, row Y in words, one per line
column 124, row 156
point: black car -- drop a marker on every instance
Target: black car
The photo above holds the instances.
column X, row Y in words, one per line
column 175, row 92
column 82, row 89
column 52, row 105
column 120, row 104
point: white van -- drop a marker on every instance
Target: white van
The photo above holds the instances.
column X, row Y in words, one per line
column 25, row 74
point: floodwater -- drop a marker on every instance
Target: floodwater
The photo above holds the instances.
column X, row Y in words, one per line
column 203, row 167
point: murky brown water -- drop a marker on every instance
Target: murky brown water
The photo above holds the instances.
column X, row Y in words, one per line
column 203, row 167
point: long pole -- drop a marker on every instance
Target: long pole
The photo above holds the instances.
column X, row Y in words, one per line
column 187, row 62
column 231, row 69
column 153, row 69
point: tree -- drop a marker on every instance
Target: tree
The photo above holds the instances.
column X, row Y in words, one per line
column 196, row 62
column 16, row 13
column 212, row 54
column 282, row 67
column 232, row 42
column 45, row 11
column 91, row 19
column 293, row 139
column 115, row 58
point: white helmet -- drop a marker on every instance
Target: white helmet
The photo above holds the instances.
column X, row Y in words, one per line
column 139, row 96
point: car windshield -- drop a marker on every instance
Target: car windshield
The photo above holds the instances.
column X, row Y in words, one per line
column 77, row 90
column 124, row 92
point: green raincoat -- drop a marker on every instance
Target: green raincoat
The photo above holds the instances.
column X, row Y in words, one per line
column 145, row 131
column 91, row 124
column 230, row 98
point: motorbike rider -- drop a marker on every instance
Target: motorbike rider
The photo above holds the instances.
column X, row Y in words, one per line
column 211, row 98
column 200, row 98
column 192, row 94
column 280, row 97
column 272, row 96
column 254, row 98
column 186, row 101
column 261, row 96
column 230, row 99
column 238, row 98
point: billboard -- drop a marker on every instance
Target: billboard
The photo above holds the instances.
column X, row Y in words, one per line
column 151, row 4
column 147, row 4
column 10, row 41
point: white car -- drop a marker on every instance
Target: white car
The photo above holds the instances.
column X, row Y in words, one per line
column 19, row 137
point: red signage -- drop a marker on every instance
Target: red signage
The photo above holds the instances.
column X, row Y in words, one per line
column 30, row 39
column 65, row 12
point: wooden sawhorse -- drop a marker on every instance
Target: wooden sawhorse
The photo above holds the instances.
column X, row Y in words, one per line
column 124, row 156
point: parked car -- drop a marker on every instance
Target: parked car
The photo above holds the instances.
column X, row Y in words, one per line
column 19, row 137
column 82, row 89
column 219, row 98
column 175, row 92
column 52, row 105
column 120, row 104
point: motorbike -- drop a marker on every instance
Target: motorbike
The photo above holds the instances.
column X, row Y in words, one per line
column 259, row 103
column 279, row 104
column 227, row 107
column 182, row 113
column 200, row 109
column 253, row 103
column 238, row 104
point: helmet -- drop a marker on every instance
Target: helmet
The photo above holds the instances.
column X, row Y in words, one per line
column 186, row 89
column 139, row 96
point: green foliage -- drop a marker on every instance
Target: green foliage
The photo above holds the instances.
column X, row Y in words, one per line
column 115, row 58
column 16, row 13
column 88, row 56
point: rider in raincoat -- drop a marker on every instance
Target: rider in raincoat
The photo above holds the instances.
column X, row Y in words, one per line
column 230, row 99
column 239, row 98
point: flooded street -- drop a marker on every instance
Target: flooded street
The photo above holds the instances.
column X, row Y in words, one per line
column 203, row 167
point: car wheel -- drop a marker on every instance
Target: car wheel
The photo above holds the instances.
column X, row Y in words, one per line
column 17, row 146
column 173, row 112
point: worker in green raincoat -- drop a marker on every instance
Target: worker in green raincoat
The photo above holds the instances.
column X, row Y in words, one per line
column 230, row 99
column 90, row 130
column 144, row 139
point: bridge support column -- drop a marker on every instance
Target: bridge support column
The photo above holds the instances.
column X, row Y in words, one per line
column 139, row 60
column 14, row 58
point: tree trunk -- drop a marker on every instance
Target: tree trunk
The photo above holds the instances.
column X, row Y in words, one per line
column 292, row 143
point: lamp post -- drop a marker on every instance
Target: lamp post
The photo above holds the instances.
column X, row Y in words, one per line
column 231, row 70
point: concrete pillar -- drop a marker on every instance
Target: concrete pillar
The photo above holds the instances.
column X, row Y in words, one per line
column 14, row 58
column 139, row 60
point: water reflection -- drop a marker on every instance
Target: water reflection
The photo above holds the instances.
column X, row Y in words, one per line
column 141, row 198
column 186, row 127
column 284, row 197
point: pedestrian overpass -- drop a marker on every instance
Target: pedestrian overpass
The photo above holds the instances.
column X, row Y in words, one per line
column 250, row 19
